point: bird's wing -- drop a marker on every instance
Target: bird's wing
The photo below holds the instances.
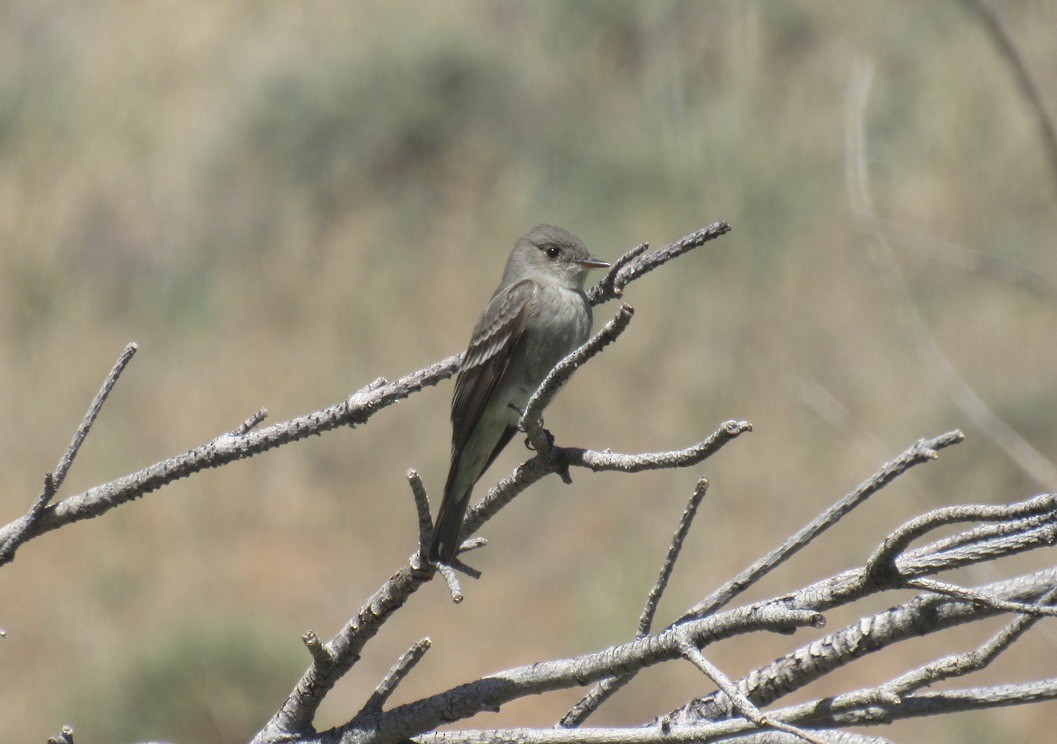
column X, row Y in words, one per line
column 485, row 361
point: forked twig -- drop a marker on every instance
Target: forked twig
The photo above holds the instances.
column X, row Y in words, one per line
column 674, row 548
column 24, row 528
column 738, row 701
column 924, row 450
column 394, row 677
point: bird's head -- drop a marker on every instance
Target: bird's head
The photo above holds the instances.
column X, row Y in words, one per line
column 551, row 254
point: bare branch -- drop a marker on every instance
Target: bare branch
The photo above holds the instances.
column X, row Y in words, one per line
column 636, row 266
column 861, row 708
column 395, row 676
column 953, row 701
column 342, row 652
column 425, row 521
column 532, row 470
column 854, row 584
column 737, row 700
column 921, row 451
column 924, row 450
column 493, row 691
column 882, row 563
column 925, row 614
column 93, row 411
column 452, row 581
column 16, row 533
column 608, row 284
column 607, row 687
column 971, row 595
column 320, row 653
column 24, row 526
column 532, row 417
column 674, row 548
column 958, row 665
column 251, row 423
column 354, row 411
column 1011, row 526
column 1028, row 537
column 652, row 735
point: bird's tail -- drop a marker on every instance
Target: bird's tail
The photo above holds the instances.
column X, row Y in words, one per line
column 445, row 542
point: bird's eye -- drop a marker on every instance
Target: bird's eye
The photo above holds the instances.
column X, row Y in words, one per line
column 552, row 251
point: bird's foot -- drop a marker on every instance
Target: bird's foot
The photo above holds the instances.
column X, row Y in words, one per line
column 547, row 434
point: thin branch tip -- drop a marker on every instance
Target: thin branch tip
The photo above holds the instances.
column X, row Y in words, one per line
column 251, row 423
column 321, row 655
column 454, row 590
column 396, row 674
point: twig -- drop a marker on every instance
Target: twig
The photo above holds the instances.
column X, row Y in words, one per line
column 425, row 521
column 921, row 451
column 452, row 581
column 395, row 676
column 924, row 614
column 608, row 284
column 24, row 528
column 648, row 735
column 882, row 563
column 856, row 709
column 251, row 423
column 93, row 411
column 320, row 654
column 738, row 701
column 958, row 665
column 989, row 531
column 924, row 450
column 354, row 411
column 971, row 595
column 609, row 288
column 919, row 563
column 491, row 692
column 532, row 418
column 674, row 548
column 532, row 470
column 854, row 584
column 607, row 687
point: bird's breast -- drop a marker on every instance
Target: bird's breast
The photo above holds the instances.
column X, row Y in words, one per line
column 559, row 321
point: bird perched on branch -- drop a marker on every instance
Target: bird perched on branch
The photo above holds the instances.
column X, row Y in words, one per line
column 538, row 315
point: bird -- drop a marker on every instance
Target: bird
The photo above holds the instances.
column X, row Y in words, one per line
column 537, row 315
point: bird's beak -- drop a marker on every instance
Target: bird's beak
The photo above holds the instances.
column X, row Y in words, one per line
column 593, row 263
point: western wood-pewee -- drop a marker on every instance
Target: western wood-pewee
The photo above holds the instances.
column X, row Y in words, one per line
column 538, row 315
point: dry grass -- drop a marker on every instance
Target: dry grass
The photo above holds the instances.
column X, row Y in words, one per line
column 280, row 202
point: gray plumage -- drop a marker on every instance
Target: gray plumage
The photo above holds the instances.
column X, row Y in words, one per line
column 538, row 315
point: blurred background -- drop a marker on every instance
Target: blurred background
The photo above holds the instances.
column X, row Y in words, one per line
column 283, row 201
